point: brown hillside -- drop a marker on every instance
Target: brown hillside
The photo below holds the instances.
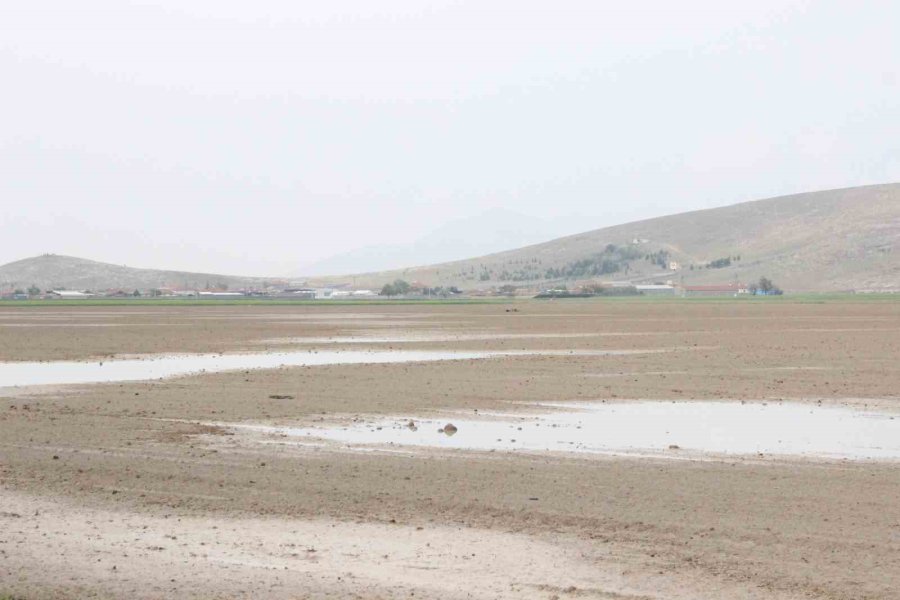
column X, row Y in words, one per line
column 847, row 239
column 53, row 271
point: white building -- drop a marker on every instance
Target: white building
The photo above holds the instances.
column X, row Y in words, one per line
column 221, row 294
column 69, row 294
column 656, row 290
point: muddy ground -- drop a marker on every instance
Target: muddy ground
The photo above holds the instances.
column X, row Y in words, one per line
column 125, row 490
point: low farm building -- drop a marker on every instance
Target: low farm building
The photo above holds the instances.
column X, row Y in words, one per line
column 725, row 289
column 656, row 290
column 221, row 295
column 69, row 294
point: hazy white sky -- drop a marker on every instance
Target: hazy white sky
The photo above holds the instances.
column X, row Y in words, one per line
column 252, row 137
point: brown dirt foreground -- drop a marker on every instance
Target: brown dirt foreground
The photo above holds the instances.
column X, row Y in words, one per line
column 119, row 490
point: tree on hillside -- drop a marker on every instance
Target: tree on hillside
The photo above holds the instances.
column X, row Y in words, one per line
column 34, row 291
column 719, row 263
column 764, row 287
column 397, row 288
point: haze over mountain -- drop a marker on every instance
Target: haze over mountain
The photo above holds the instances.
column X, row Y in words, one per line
column 492, row 231
column 259, row 137
column 847, row 239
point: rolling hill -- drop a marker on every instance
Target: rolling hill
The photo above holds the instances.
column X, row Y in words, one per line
column 845, row 239
column 53, row 271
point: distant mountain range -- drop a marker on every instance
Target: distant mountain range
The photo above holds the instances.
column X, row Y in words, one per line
column 847, row 239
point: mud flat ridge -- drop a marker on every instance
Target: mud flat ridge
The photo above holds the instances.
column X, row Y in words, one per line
column 718, row 450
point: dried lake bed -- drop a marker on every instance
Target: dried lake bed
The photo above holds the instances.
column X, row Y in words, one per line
column 601, row 450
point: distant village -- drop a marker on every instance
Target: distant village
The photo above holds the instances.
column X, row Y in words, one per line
column 214, row 293
column 401, row 289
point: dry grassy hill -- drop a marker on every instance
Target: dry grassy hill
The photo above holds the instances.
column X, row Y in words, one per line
column 52, row 271
column 847, row 239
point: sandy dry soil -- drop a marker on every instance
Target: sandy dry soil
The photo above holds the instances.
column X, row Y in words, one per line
column 121, row 490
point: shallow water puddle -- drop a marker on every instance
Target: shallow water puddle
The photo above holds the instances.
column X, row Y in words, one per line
column 640, row 428
column 137, row 369
column 14, row 374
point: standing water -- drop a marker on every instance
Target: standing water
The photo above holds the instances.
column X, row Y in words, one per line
column 172, row 365
column 656, row 428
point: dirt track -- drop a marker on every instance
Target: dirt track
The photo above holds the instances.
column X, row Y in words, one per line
column 101, row 462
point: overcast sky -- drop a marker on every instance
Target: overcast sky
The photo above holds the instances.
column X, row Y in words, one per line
column 253, row 137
